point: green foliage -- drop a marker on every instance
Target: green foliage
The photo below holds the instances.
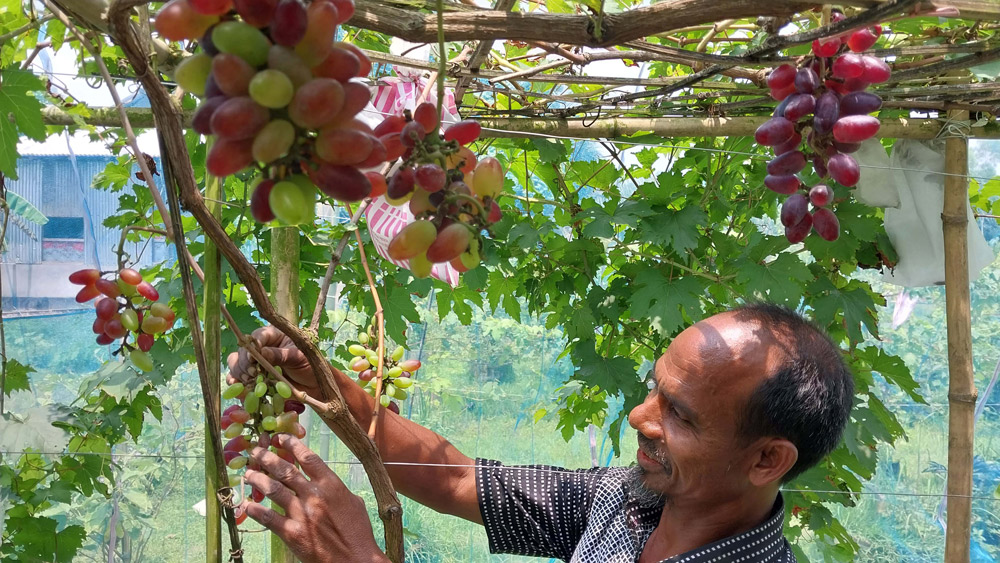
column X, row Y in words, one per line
column 20, row 114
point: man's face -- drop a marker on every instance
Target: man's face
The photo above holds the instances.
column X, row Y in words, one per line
column 688, row 445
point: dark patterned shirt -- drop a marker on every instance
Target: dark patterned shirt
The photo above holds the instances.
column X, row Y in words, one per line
column 589, row 516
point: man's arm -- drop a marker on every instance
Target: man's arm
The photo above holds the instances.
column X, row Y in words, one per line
column 447, row 483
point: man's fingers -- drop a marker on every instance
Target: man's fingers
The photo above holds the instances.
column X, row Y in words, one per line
column 270, row 519
column 281, row 356
column 273, row 490
column 312, row 464
column 280, row 470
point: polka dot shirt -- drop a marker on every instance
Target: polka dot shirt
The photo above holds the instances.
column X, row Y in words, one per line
column 588, row 516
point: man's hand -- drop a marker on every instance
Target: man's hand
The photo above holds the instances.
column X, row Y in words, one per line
column 279, row 350
column 323, row 520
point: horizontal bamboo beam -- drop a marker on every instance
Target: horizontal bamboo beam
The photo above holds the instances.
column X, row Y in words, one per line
column 901, row 128
column 400, row 19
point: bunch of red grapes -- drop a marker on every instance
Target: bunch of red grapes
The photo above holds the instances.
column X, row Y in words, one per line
column 126, row 309
column 277, row 95
column 396, row 376
column 823, row 101
column 451, row 194
column 265, row 407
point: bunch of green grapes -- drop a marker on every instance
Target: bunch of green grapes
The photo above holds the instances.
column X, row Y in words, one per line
column 396, row 372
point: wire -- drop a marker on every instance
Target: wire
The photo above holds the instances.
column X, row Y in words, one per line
column 523, row 468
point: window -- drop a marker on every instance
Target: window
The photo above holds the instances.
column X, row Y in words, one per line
column 62, row 240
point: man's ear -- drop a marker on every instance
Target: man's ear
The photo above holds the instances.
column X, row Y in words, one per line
column 773, row 458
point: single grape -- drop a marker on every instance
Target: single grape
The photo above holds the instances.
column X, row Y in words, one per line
column 782, row 184
column 104, row 339
column 855, row 128
column 84, row 277
column 257, row 13
column 820, row 195
column 242, row 39
column 114, row 329
column 411, row 134
column 345, row 9
column 796, row 207
column 320, row 32
column 426, row 115
column 295, row 406
column 861, row 40
column 287, row 61
column 826, row 47
column 464, row 132
column 344, row 146
column 273, row 141
column 342, row 183
column 152, row 324
column 835, row 86
column 391, row 124
column 356, row 97
column 799, row 106
column 402, row 183
column 378, row 183
column 860, row 103
column 450, row 242
column 826, row 224
column 87, row 293
column 192, row 73
column 420, row 266
column 339, row 64
column 130, row 276
column 233, row 391
column 787, row 164
column 774, row 131
column 846, row 147
column 178, row 20
column 430, row 177
column 826, row 113
column 98, row 326
column 106, row 308
column 876, row 70
column 271, row 89
column 783, row 93
column 819, row 166
column 855, row 85
column 239, row 119
column 848, row 65
column 130, row 320
column 108, row 287
column 376, row 157
column 798, row 232
column 290, row 204
column 283, row 389
column 844, row 169
column 366, row 63
column 144, row 342
column 494, row 212
column 412, row 240
column 201, row 122
column 464, row 160
column 147, row 290
column 316, row 103
column 488, row 178
column 260, row 204
column 290, row 22
column 781, row 77
column 806, row 80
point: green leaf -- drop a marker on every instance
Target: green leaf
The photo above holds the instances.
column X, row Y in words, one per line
column 611, row 373
column 892, row 369
column 854, row 301
column 33, row 430
column 679, row 229
column 398, row 310
column 23, row 208
column 17, row 377
column 780, row 280
column 663, row 301
column 20, row 114
column 551, row 150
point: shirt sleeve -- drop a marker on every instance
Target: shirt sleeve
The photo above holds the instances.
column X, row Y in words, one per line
column 535, row 510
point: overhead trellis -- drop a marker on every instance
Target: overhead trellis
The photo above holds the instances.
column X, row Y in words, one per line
column 534, row 62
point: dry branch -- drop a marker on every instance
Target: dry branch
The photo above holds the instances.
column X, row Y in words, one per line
column 168, row 120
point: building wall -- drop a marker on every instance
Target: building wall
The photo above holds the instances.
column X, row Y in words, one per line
column 38, row 259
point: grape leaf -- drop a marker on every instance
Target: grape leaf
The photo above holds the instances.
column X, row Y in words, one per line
column 853, row 300
column 679, row 229
column 398, row 309
column 550, row 150
column 612, row 374
column 662, row 300
column 780, row 280
column 33, row 430
column 17, row 377
column 20, row 113
column 892, row 369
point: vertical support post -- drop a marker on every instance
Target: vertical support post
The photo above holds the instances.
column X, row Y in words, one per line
column 285, row 296
column 212, row 298
column 961, row 387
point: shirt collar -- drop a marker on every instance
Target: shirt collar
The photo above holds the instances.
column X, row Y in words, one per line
column 765, row 541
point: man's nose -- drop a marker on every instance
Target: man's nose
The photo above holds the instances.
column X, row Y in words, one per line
column 644, row 418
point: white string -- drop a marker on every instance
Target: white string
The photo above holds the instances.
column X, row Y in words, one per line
column 520, row 468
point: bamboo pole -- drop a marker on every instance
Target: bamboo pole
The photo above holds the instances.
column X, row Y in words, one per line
column 961, row 387
column 285, row 296
column 213, row 323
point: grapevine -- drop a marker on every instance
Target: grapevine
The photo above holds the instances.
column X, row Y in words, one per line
column 822, row 117
column 126, row 309
column 278, row 96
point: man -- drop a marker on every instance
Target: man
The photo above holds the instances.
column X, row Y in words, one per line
column 739, row 403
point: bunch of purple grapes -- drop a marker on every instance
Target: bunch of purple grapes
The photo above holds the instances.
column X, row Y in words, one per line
column 824, row 102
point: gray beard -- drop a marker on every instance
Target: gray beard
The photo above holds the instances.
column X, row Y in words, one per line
column 638, row 491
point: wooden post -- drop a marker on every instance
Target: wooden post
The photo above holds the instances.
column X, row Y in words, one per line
column 285, row 296
column 961, row 388
column 213, row 324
